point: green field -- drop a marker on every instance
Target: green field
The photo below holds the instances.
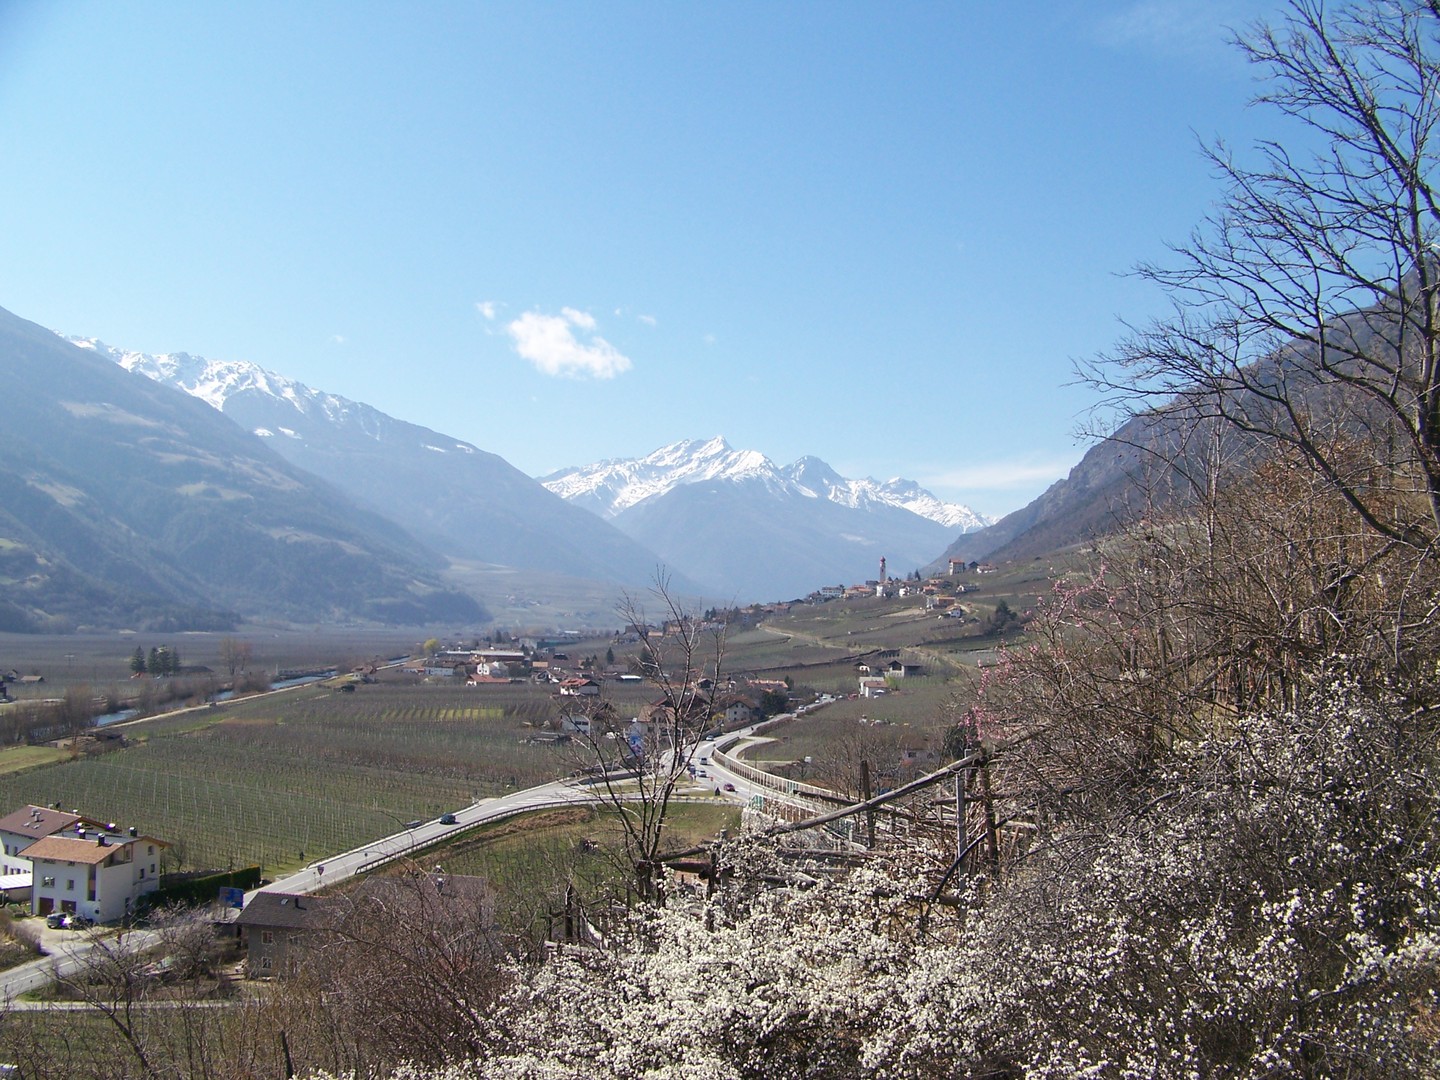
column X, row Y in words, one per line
column 283, row 779
column 101, row 661
column 530, row 859
column 17, row 758
column 309, row 770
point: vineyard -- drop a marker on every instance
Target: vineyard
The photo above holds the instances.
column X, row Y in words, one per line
column 531, row 860
column 285, row 779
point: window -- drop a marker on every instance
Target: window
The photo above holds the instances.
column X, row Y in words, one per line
column 47, row 883
column 267, row 937
column 70, row 884
column 265, row 963
column 142, row 873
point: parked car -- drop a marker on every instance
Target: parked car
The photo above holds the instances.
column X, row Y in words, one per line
column 413, row 824
column 55, row 920
column 729, row 787
column 447, row 819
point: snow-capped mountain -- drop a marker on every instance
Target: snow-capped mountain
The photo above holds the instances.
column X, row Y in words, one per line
column 126, row 505
column 724, row 522
column 734, row 518
column 232, row 386
column 612, row 487
column 814, row 475
column 466, row 503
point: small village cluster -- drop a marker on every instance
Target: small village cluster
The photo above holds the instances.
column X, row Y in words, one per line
column 939, row 592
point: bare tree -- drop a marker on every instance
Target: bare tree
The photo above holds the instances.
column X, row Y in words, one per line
column 189, row 942
column 1306, row 310
column 115, row 978
column 410, row 968
column 639, row 767
column 235, row 655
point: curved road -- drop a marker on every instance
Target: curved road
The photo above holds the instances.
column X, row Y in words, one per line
column 347, row 864
column 68, row 953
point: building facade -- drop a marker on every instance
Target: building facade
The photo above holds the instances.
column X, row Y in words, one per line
column 98, row 873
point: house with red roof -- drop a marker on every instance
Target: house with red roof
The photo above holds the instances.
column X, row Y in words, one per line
column 100, row 873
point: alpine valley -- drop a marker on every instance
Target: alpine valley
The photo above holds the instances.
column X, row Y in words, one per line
column 721, row 524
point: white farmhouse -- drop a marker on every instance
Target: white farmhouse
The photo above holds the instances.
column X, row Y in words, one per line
column 21, row 829
column 98, row 873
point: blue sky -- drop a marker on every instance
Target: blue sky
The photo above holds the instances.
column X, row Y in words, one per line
column 880, row 234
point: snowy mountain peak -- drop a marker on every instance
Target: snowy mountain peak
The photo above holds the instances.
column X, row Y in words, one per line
column 610, row 488
column 267, row 403
column 213, row 381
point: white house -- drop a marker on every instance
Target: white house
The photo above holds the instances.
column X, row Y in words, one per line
column 497, row 656
column 579, row 687
column 738, row 711
column 98, row 873
column 21, row 829
column 872, row 687
column 575, row 725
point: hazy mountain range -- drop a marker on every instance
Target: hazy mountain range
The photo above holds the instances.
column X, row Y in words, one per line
column 454, row 497
column 123, row 503
column 734, row 518
column 723, row 524
column 208, row 491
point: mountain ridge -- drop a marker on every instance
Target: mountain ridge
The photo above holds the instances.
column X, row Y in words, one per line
column 630, row 481
column 766, row 532
column 123, row 503
column 468, row 503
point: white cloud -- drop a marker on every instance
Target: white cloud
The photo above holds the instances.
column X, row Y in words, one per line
column 1172, row 27
column 550, row 343
column 486, row 308
column 648, row 320
column 337, row 339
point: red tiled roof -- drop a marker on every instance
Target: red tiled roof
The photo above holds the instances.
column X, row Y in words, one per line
column 73, row 849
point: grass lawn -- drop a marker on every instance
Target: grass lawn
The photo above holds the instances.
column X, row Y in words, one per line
column 530, row 859
column 16, row 758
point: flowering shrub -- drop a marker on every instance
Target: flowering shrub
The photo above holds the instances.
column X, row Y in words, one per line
column 1270, row 907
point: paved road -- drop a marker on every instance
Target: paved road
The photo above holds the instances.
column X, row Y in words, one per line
column 65, row 959
column 67, row 952
column 347, row 864
column 68, row 948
